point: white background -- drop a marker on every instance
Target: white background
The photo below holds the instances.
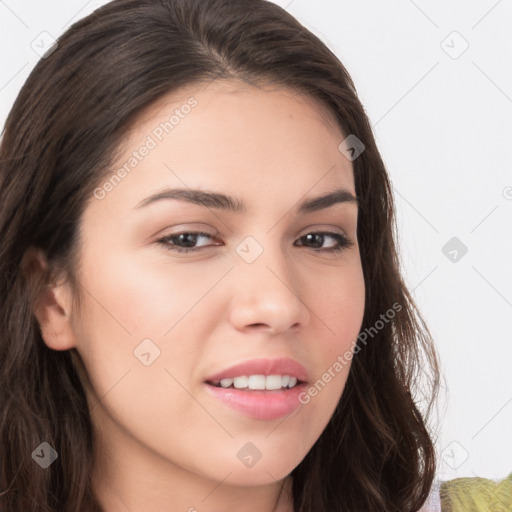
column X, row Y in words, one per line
column 443, row 123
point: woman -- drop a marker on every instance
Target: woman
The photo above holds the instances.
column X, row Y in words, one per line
column 202, row 306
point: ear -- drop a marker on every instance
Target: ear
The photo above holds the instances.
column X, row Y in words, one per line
column 52, row 303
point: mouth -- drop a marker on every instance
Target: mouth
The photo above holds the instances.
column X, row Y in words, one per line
column 258, row 382
column 259, row 397
column 262, row 389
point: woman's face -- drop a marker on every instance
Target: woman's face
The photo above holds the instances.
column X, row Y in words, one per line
column 261, row 282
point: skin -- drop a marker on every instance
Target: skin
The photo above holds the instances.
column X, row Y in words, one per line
column 162, row 442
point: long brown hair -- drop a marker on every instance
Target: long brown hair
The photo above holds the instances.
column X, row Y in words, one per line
column 63, row 132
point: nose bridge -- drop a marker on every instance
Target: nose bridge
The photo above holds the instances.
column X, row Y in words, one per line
column 267, row 291
column 263, row 259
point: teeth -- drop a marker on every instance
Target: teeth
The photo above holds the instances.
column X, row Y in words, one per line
column 225, row 383
column 257, row 382
column 273, row 382
column 270, row 382
column 240, row 382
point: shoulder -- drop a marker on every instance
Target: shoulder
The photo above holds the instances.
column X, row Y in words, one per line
column 470, row 493
column 478, row 494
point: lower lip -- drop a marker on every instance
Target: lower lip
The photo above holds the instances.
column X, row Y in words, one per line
column 260, row 404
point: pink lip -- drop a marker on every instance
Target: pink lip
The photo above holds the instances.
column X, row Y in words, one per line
column 263, row 366
column 260, row 404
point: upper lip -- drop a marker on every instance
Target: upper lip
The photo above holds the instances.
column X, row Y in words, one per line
column 263, row 366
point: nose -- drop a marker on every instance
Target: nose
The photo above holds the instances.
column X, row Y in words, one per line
column 267, row 295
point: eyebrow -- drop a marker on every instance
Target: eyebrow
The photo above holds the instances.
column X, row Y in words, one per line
column 221, row 201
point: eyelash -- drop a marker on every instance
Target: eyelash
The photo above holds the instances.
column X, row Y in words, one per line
column 343, row 241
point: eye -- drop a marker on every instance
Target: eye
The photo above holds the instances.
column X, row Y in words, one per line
column 187, row 238
column 186, row 241
column 318, row 238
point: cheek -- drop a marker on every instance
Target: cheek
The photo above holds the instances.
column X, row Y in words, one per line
column 147, row 297
column 142, row 316
column 340, row 306
column 132, row 316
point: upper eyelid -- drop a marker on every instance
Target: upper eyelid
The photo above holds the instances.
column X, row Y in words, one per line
column 306, row 231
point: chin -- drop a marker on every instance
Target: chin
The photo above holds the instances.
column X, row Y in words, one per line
column 258, row 475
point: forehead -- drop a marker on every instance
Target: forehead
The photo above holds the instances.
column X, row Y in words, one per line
column 235, row 137
column 237, row 95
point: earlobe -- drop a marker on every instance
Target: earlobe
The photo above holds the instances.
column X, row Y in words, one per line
column 51, row 305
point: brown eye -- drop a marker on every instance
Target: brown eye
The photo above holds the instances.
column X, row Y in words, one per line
column 185, row 241
column 317, row 240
